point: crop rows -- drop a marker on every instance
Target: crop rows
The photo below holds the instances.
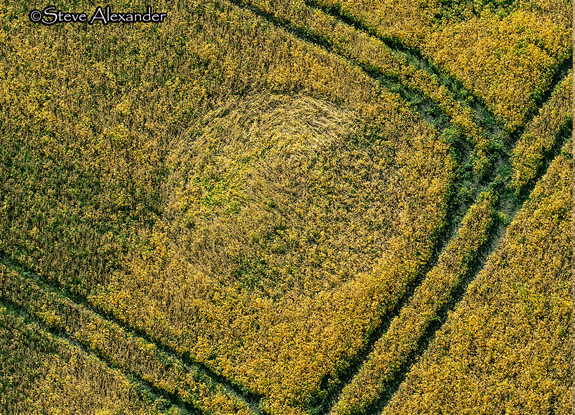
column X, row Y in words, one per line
column 220, row 264
column 541, row 135
column 395, row 68
column 386, row 359
column 371, row 378
column 136, row 356
column 410, row 331
column 123, row 213
column 489, row 49
column 512, row 330
column 403, row 336
column 42, row 372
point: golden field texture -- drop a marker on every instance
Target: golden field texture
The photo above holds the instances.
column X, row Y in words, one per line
column 541, row 134
column 43, row 375
column 132, row 354
column 374, row 56
column 218, row 213
column 213, row 222
column 407, row 329
column 507, row 348
column 263, row 271
column 505, row 53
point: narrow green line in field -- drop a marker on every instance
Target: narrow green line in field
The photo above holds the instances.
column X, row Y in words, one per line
column 508, row 206
column 397, row 374
column 498, row 177
column 500, row 140
column 406, row 71
column 485, row 117
column 457, row 294
column 423, row 105
column 252, row 401
column 164, row 400
column 461, row 201
column 428, row 109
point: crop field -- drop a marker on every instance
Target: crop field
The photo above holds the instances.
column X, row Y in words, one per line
column 287, row 207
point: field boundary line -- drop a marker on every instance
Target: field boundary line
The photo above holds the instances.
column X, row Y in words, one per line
column 496, row 234
column 417, row 59
column 494, row 132
column 251, row 400
column 502, row 161
column 497, row 231
column 376, row 75
column 246, row 396
column 154, row 392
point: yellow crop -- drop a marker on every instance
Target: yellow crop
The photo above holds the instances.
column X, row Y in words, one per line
column 505, row 56
column 132, row 354
column 508, row 345
column 227, row 205
column 541, row 134
column 404, row 333
column 41, row 374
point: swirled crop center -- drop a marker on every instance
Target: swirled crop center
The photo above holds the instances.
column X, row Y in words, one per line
column 287, row 224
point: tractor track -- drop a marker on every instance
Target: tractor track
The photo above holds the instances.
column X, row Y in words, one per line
column 495, row 235
column 143, row 385
column 484, row 117
column 250, row 399
column 507, row 203
column 423, row 105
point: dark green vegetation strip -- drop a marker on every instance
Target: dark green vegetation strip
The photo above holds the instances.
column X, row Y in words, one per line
column 464, row 194
column 484, row 117
column 508, row 205
column 186, row 362
column 429, row 110
column 466, row 191
column 165, row 401
column 492, row 125
column 478, row 263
